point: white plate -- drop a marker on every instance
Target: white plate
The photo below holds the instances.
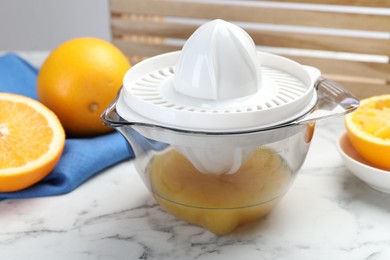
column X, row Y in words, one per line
column 376, row 178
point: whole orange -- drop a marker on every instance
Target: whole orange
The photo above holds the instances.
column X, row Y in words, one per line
column 78, row 80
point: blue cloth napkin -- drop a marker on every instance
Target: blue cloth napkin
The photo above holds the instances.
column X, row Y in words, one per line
column 81, row 159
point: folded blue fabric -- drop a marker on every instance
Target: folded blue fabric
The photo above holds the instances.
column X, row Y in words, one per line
column 81, row 159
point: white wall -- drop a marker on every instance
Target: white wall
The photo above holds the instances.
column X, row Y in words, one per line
column 44, row 24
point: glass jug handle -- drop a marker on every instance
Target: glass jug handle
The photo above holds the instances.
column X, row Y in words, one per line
column 333, row 100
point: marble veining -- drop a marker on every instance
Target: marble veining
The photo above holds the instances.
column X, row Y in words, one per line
column 327, row 214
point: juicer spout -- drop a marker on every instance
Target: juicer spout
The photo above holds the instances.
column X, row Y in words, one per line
column 110, row 116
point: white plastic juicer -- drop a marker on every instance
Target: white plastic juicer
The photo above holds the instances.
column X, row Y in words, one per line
column 219, row 129
column 218, row 83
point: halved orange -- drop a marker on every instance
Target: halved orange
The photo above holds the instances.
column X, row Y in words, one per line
column 368, row 129
column 31, row 141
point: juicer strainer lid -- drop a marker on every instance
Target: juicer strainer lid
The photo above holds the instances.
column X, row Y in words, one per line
column 148, row 97
column 276, row 90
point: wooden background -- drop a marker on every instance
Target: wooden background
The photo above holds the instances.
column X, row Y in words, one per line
column 349, row 41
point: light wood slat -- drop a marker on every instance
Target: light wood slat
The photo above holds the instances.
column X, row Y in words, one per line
column 348, row 68
column 143, row 49
column 322, row 42
column 364, row 90
column 252, row 14
column 260, row 37
column 163, row 29
column 367, row 3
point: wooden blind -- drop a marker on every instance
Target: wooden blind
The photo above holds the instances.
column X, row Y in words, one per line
column 348, row 40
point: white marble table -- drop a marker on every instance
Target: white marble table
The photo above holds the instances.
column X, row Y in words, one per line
column 327, row 214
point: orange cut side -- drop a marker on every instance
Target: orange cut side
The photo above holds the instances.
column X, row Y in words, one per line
column 31, row 142
column 368, row 129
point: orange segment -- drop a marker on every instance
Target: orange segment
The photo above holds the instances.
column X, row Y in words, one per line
column 368, row 129
column 31, row 141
